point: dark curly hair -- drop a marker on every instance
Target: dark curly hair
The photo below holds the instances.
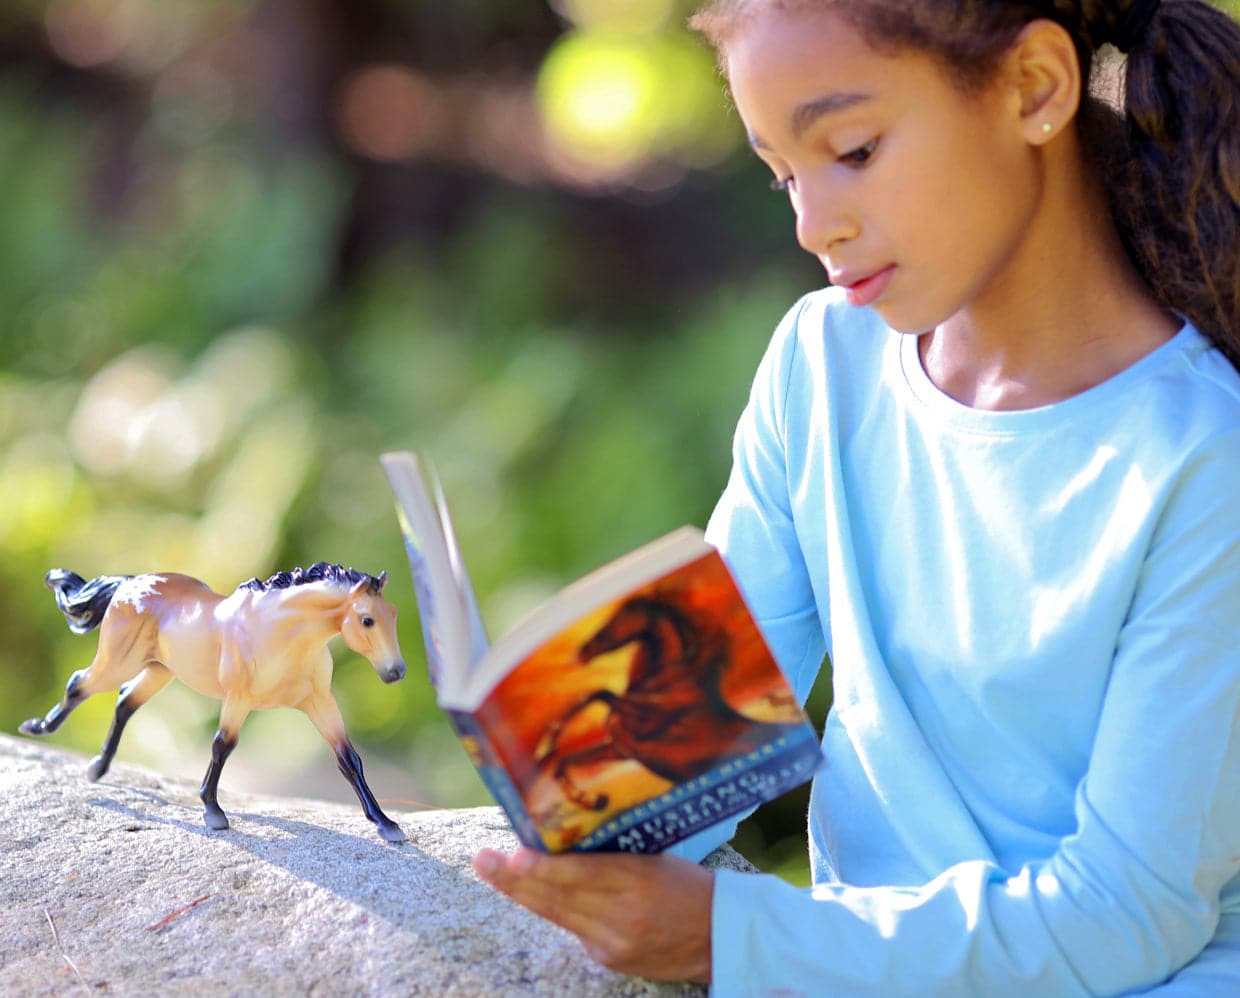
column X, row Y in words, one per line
column 1170, row 161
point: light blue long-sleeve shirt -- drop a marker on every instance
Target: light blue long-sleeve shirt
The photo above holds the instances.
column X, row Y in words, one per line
column 1033, row 617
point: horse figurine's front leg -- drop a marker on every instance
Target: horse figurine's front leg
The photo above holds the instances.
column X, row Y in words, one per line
column 322, row 710
column 232, row 716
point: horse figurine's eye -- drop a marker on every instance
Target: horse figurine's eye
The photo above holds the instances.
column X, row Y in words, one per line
column 368, row 621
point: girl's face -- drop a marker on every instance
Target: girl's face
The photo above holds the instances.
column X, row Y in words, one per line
column 916, row 198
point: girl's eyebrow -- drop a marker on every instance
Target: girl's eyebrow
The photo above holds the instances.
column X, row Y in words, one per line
column 807, row 113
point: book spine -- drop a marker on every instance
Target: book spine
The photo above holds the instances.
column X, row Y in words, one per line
column 730, row 788
column 495, row 777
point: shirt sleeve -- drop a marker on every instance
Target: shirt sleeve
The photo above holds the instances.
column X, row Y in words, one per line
column 752, row 527
column 1149, row 880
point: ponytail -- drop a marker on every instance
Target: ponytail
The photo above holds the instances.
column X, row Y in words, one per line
column 1175, row 184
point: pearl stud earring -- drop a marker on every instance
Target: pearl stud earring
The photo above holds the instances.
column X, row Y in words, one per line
column 1047, row 128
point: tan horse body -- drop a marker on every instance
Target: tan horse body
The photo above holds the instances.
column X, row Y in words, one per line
column 263, row 646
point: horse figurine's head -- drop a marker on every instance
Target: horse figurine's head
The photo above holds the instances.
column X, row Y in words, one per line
column 369, row 628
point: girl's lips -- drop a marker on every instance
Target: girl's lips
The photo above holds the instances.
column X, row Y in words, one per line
column 866, row 291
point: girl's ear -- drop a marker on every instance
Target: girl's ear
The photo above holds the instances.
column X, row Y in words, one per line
column 1045, row 75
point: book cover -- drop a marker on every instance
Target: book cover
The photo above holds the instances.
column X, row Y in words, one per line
column 637, row 707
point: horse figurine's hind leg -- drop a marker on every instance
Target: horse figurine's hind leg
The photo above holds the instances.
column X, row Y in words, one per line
column 133, row 695
column 85, row 606
column 81, row 618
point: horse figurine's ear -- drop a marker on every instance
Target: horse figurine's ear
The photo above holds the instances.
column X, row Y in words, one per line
column 382, row 580
column 359, row 588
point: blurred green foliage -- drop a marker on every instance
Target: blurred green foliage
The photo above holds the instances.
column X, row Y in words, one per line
column 207, row 346
column 247, row 246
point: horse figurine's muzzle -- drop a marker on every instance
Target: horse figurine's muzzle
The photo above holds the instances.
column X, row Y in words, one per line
column 394, row 672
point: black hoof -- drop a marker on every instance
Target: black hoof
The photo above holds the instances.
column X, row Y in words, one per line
column 391, row 832
column 216, row 820
column 34, row 726
column 601, row 802
column 98, row 766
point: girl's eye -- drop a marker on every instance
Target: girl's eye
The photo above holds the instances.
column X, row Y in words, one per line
column 861, row 155
column 854, row 158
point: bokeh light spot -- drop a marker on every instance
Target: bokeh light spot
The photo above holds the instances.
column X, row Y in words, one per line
column 109, row 414
column 86, row 33
column 388, row 113
column 629, row 16
column 617, row 102
column 597, row 95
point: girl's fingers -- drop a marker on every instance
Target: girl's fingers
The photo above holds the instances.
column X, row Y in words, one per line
column 568, row 890
column 638, row 914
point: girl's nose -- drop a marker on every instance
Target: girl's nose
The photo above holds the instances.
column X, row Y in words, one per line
column 822, row 218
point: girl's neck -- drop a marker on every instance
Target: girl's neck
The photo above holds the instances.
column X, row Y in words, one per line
column 1067, row 312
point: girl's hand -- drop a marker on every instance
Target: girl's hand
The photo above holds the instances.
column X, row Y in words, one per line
column 642, row 915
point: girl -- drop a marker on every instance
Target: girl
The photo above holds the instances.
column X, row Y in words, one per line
column 992, row 473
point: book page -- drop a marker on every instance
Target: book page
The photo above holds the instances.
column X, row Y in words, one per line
column 479, row 643
column 441, row 606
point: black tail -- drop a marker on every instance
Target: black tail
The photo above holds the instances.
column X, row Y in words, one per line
column 83, row 603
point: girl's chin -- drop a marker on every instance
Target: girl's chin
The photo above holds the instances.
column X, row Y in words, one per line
column 902, row 322
column 911, row 318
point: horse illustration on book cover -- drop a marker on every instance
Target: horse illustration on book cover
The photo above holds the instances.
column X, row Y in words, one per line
column 648, row 692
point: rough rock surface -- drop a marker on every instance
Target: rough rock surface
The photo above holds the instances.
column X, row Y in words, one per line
column 118, row 888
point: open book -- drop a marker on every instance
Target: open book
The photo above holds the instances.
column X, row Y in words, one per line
column 636, row 707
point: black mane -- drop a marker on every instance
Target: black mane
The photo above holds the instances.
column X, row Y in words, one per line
column 320, row 571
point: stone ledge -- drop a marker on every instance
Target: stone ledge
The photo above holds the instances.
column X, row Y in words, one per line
column 300, row 897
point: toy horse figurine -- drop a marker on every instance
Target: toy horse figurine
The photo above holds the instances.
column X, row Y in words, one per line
column 263, row 646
